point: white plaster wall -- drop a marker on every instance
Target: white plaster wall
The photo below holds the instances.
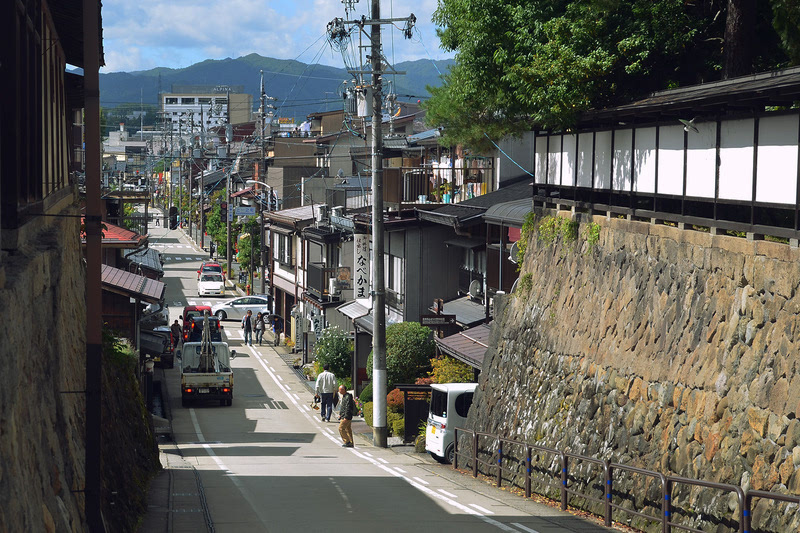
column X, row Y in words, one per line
column 736, row 160
column 540, row 160
column 776, row 168
column 602, row 160
column 645, row 160
column 554, row 160
column 623, row 140
column 584, row 160
column 670, row 160
column 701, row 160
column 568, row 147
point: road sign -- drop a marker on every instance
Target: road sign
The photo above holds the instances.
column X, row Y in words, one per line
column 244, row 211
column 230, row 215
column 437, row 320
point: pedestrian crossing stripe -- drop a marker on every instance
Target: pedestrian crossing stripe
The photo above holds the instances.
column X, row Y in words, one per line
column 275, row 404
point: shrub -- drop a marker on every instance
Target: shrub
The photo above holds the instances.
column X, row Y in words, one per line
column 424, row 381
column 367, row 408
column 395, row 420
column 398, row 426
column 409, row 347
column 366, row 394
column 449, row 370
column 394, row 401
column 335, row 349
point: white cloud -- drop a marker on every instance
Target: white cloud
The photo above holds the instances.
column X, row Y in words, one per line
column 149, row 33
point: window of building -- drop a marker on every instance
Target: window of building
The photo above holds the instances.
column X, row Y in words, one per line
column 393, row 270
column 283, row 250
column 169, row 100
column 206, row 101
column 221, row 101
column 189, row 101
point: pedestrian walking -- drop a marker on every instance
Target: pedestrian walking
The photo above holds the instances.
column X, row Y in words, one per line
column 325, row 388
column 277, row 328
column 347, row 408
column 247, row 326
column 157, row 221
column 177, row 333
column 259, row 327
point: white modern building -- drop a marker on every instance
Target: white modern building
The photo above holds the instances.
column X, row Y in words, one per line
column 200, row 107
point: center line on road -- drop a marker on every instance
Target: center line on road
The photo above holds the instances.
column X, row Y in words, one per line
column 523, row 528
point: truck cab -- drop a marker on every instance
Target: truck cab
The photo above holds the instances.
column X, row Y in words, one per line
column 450, row 403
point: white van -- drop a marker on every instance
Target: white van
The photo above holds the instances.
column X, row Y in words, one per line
column 450, row 403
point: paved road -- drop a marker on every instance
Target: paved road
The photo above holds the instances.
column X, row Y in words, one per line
column 267, row 463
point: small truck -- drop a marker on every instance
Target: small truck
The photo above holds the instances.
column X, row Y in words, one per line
column 206, row 372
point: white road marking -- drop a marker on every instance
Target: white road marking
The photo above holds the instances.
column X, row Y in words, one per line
column 288, row 387
column 420, row 480
column 307, row 408
column 272, row 369
column 367, row 454
column 295, row 395
column 279, row 377
column 342, row 494
column 523, row 528
column 397, row 472
column 449, row 495
column 481, row 509
column 384, row 461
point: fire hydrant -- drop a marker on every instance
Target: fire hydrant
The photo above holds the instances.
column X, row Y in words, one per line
column 248, row 289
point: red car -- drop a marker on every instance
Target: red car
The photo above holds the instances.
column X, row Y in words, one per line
column 190, row 312
column 210, row 267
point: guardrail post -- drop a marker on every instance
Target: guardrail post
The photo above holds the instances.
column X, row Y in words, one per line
column 666, row 504
column 743, row 515
column 455, row 449
column 564, row 466
column 499, row 462
column 528, row 472
column 474, row 454
column 609, row 486
column 748, row 503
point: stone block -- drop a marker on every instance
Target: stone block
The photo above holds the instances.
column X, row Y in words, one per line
column 758, row 419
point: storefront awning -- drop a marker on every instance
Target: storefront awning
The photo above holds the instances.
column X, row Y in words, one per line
column 353, row 310
column 465, row 242
column 468, row 346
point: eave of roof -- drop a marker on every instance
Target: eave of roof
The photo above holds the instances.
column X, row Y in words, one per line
column 132, row 285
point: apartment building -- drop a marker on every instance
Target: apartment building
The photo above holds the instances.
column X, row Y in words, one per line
column 205, row 106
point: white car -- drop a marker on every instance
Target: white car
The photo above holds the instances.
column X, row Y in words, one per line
column 211, row 284
column 236, row 308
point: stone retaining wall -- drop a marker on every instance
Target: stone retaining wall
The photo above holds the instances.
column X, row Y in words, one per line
column 665, row 349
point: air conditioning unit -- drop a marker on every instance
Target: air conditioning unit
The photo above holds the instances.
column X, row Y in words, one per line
column 475, row 289
column 333, row 287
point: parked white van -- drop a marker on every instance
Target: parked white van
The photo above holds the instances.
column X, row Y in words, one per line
column 450, row 403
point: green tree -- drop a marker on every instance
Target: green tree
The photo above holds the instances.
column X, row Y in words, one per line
column 335, row 348
column 409, row 348
column 520, row 62
column 449, row 370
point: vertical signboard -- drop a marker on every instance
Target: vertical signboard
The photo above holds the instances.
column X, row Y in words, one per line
column 361, row 266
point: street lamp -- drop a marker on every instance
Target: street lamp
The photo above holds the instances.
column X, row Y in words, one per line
column 261, row 233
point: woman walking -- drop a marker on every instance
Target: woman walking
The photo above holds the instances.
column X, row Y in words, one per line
column 259, row 327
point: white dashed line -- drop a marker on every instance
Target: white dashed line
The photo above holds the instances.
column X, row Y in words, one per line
column 481, row 509
column 296, row 396
column 367, row 454
column 449, row 495
column 280, row 378
column 420, row 480
column 384, row 461
column 400, row 470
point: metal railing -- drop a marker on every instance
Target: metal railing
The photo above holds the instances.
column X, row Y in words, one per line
column 742, row 517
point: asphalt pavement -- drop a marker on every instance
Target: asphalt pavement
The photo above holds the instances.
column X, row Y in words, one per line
column 268, row 463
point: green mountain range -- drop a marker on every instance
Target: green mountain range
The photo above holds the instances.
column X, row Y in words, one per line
column 299, row 88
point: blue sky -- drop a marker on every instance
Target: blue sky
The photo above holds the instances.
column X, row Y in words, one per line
column 143, row 34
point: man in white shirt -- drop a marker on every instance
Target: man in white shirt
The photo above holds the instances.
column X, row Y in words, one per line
column 325, row 388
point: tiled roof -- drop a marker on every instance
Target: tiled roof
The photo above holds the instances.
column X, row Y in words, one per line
column 468, row 346
column 148, row 258
column 117, row 237
column 130, row 284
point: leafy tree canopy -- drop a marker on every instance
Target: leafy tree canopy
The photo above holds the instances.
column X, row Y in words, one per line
column 524, row 62
column 409, row 348
column 335, row 348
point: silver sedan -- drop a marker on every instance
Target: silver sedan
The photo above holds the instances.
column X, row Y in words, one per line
column 237, row 307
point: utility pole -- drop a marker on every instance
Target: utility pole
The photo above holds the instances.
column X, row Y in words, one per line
column 379, row 428
column 339, row 35
column 228, row 188
column 191, row 162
